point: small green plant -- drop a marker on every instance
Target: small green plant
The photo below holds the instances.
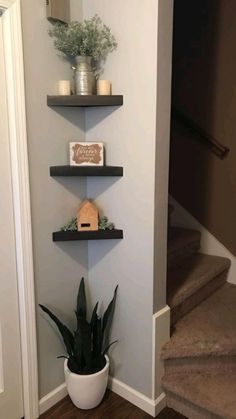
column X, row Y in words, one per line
column 104, row 224
column 70, row 226
column 87, row 346
column 88, row 38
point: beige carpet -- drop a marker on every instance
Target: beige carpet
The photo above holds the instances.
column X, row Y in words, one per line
column 214, row 392
column 200, row 358
column 194, row 281
column 210, row 329
column 182, row 243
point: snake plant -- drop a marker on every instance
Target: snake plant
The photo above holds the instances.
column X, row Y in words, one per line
column 87, row 345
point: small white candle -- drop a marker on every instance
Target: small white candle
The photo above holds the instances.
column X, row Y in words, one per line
column 64, row 87
column 103, row 87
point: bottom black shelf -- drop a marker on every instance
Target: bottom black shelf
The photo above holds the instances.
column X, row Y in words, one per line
column 87, row 235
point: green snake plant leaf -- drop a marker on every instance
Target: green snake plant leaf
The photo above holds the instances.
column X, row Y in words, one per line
column 94, row 314
column 107, row 318
column 97, row 337
column 87, row 346
column 78, row 355
column 108, row 347
column 94, row 331
column 81, row 309
column 73, row 366
column 66, row 334
column 99, row 363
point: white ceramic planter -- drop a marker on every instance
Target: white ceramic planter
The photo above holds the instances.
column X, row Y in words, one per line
column 87, row 391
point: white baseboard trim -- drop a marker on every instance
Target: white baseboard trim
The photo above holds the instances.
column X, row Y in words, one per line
column 160, row 335
column 52, row 398
column 152, row 407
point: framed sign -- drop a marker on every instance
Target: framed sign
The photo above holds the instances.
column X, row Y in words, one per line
column 86, row 154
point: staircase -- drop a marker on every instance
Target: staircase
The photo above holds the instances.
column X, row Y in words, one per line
column 200, row 358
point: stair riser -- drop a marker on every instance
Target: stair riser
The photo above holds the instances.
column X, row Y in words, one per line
column 188, row 409
column 177, row 257
column 194, row 300
column 198, row 364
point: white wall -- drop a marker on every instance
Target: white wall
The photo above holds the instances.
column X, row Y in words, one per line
column 58, row 267
column 164, row 67
column 11, row 397
column 161, row 312
column 129, row 136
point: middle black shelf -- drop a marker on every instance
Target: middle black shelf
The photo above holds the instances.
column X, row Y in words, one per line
column 87, row 235
column 86, row 171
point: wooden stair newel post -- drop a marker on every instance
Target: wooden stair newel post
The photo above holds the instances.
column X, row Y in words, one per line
column 87, row 217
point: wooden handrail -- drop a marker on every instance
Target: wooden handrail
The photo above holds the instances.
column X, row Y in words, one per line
column 207, row 140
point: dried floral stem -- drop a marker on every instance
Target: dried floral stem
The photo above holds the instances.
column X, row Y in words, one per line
column 88, row 38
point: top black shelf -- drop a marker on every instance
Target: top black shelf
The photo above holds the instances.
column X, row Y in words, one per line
column 85, row 101
column 86, row 171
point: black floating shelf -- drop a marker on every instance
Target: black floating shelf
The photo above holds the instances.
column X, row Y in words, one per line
column 87, row 235
column 86, row 171
column 85, row 101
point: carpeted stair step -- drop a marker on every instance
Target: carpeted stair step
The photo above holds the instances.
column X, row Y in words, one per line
column 190, row 284
column 182, row 243
column 207, row 333
column 202, row 395
column 201, row 364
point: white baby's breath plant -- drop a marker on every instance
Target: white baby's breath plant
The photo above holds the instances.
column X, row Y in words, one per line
column 87, row 38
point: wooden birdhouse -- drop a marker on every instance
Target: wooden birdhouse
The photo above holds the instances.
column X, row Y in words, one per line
column 87, row 217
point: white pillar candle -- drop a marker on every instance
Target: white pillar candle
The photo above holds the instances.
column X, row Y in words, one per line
column 64, row 87
column 103, row 87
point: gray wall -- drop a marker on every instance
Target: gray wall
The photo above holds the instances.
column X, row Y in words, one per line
column 129, row 136
column 58, row 267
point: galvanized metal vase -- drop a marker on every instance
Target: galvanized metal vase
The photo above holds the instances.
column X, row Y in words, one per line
column 85, row 82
